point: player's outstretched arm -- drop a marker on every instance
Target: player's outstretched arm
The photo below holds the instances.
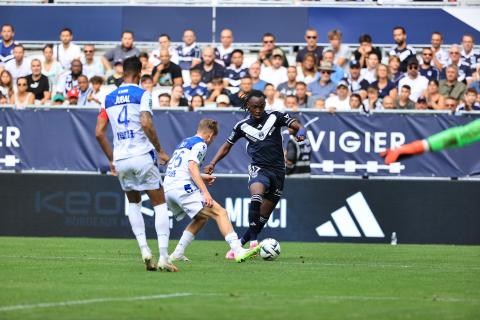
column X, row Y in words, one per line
column 194, row 170
column 450, row 138
column 100, row 130
column 149, row 129
column 221, row 153
column 299, row 130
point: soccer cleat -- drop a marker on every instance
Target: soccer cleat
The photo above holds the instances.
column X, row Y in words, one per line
column 244, row 254
column 150, row 263
column 180, row 257
column 230, row 255
column 148, row 259
column 164, row 264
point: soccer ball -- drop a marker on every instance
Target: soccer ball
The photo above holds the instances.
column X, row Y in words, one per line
column 270, row 249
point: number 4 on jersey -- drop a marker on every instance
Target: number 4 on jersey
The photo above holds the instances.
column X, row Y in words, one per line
column 123, row 116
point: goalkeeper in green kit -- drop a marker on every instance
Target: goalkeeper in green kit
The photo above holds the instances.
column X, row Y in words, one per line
column 450, row 138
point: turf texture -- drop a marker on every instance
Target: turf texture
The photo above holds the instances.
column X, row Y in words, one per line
column 77, row 278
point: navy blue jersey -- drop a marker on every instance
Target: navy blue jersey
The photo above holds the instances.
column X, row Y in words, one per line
column 264, row 139
column 431, row 73
column 233, row 75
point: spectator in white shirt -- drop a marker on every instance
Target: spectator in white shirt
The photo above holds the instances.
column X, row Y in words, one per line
column 341, row 51
column 51, row 68
column 272, row 103
column 369, row 73
column 19, row 66
column 66, row 51
column 96, row 96
column 340, row 101
column 276, row 73
column 92, row 66
column 164, row 43
column 417, row 83
column 223, row 53
column 307, row 71
column 440, row 56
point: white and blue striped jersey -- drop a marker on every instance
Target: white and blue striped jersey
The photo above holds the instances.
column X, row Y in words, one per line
column 177, row 174
column 123, row 107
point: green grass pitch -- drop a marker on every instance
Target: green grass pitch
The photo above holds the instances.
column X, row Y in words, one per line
column 76, row 278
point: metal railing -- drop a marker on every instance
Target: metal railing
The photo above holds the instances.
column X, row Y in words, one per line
column 243, row 3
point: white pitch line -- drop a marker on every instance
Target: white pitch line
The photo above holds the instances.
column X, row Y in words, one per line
column 90, row 301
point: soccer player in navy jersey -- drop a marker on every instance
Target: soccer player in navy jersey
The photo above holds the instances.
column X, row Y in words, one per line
column 262, row 130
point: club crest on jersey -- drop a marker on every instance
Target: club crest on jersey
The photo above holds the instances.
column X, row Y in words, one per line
column 122, row 99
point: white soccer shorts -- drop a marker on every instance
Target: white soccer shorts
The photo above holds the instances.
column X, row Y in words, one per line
column 182, row 203
column 138, row 173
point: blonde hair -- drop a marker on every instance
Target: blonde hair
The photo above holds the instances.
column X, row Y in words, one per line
column 208, row 125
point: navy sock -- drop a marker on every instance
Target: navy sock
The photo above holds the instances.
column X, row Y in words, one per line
column 254, row 219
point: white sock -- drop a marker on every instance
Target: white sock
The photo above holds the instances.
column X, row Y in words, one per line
column 233, row 241
column 162, row 226
column 185, row 240
column 138, row 225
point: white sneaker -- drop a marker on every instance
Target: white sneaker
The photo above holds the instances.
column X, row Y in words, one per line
column 178, row 257
column 165, row 264
column 148, row 259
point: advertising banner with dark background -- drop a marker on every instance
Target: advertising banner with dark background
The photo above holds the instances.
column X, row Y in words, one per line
column 315, row 210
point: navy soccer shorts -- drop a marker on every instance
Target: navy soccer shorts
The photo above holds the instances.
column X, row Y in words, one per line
column 272, row 180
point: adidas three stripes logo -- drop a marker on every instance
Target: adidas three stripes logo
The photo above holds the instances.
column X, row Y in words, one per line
column 345, row 222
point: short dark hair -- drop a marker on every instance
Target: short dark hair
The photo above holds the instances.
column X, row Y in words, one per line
column 96, row 79
column 356, row 95
column 48, row 45
column 364, row 38
column 82, row 76
column 292, row 96
column 8, row 25
column 471, row 90
column 269, row 85
column 252, row 94
column 438, row 33
column 217, row 81
column 195, row 70
column 246, row 77
column 400, row 28
column 406, row 86
column 128, row 31
column 268, row 34
column 146, row 77
column 237, row 51
column 22, row 78
column 165, row 94
column 433, row 81
column 301, row 83
column 165, row 35
column 132, row 66
column 143, row 55
column 67, row 30
column 18, row 45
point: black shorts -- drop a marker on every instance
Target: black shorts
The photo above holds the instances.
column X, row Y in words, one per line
column 273, row 181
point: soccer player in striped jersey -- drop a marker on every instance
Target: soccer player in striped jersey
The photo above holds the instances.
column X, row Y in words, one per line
column 134, row 158
column 262, row 130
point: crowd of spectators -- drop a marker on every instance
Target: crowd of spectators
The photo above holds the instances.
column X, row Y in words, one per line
column 335, row 77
